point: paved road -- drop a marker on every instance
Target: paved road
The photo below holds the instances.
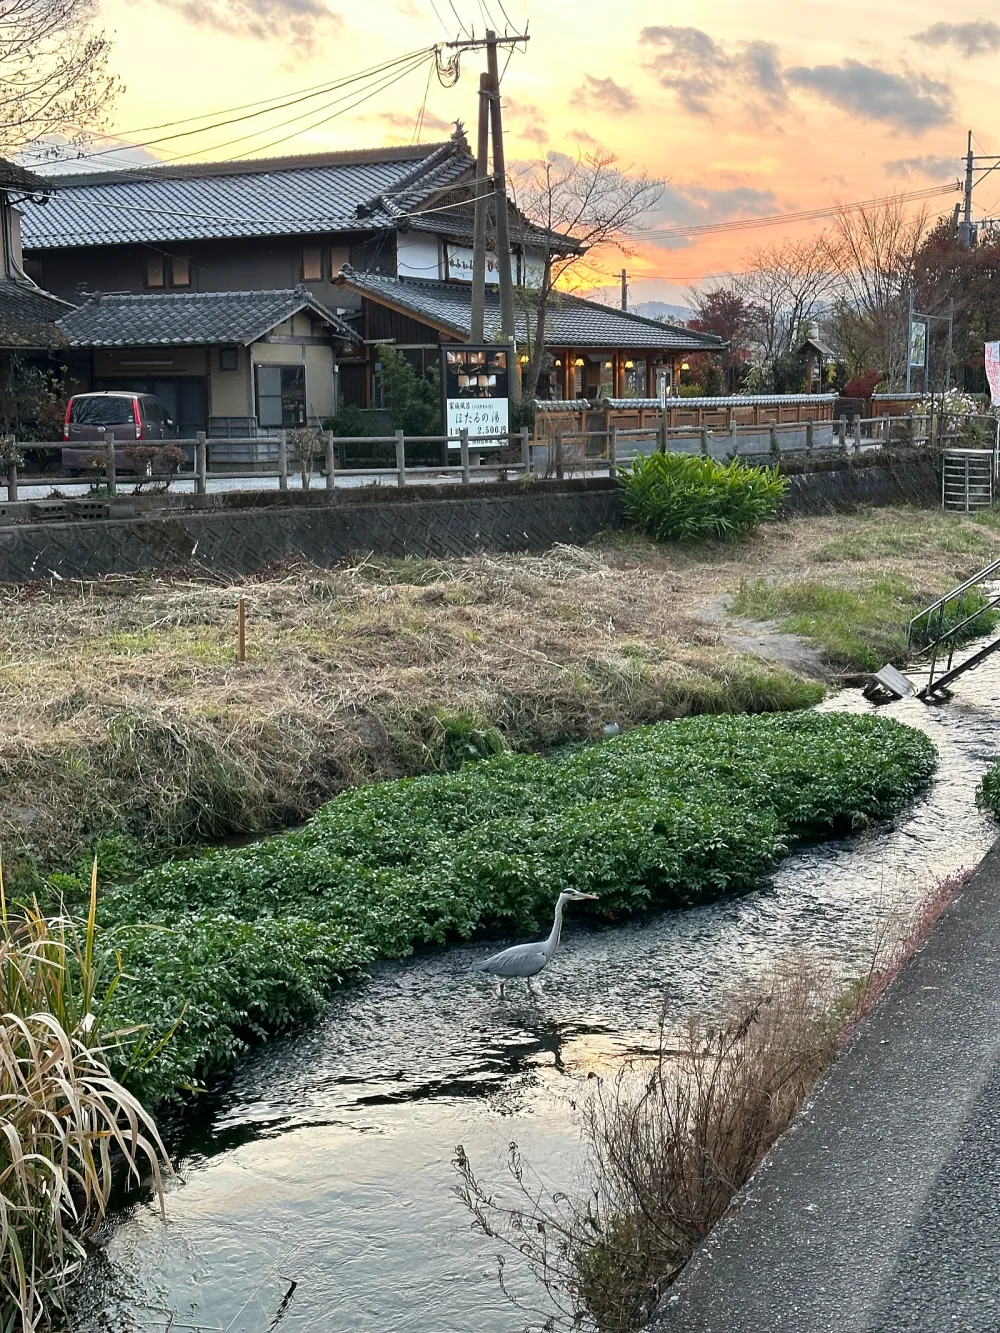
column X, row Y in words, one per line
column 879, row 1212
column 30, row 490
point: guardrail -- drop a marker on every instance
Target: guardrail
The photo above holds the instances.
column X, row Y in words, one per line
column 565, row 454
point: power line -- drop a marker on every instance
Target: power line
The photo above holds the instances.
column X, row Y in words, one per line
column 804, row 215
column 413, row 57
column 458, row 16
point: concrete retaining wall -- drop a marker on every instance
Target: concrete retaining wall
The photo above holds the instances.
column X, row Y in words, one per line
column 424, row 521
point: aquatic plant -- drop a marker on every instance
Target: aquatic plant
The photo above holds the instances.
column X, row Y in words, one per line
column 686, row 497
column 68, row 1125
column 663, row 816
column 988, row 791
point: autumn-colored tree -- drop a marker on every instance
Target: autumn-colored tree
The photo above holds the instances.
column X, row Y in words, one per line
column 726, row 313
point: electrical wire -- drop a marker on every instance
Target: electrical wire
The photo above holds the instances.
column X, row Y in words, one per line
column 418, row 129
column 415, row 57
column 458, row 16
column 776, row 219
column 294, row 120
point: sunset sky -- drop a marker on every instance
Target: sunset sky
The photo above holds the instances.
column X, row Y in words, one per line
column 741, row 108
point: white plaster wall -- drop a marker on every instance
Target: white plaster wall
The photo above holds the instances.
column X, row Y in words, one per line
column 418, row 255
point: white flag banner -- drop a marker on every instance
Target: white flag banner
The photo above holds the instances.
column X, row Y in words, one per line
column 993, row 371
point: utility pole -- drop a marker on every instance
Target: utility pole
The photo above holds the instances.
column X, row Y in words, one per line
column 479, row 233
column 508, row 326
column 624, row 289
column 965, row 233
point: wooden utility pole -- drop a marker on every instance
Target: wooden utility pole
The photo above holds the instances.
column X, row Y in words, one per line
column 965, row 233
column 508, row 327
column 479, row 234
column 624, row 289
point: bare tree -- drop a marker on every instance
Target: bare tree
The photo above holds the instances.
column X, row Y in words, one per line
column 53, row 71
column 787, row 284
column 576, row 209
column 874, row 251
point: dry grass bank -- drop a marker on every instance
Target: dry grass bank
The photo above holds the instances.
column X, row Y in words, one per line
column 124, row 711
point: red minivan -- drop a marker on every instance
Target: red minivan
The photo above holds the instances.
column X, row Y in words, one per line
column 93, row 418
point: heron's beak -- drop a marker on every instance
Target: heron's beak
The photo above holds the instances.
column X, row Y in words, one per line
column 595, row 896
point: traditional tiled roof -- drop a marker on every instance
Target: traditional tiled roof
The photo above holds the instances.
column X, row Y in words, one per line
column 570, row 322
column 319, row 193
column 28, row 316
column 189, row 318
column 14, row 177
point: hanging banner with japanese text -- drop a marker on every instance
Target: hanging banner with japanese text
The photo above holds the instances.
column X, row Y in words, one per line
column 993, row 371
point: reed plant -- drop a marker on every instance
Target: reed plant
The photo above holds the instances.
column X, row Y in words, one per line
column 68, row 1127
column 684, row 497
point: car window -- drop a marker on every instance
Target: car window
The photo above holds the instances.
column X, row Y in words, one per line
column 152, row 411
column 111, row 411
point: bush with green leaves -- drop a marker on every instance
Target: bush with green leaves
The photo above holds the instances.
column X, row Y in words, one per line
column 687, row 497
column 988, row 791
column 251, row 939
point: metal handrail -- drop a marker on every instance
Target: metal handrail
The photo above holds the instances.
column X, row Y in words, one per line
column 979, row 577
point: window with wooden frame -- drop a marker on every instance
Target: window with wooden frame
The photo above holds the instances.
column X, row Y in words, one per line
column 229, row 358
column 154, row 271
column 312, row 263
column 180, row 271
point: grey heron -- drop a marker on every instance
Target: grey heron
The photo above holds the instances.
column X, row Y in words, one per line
column 527, row 960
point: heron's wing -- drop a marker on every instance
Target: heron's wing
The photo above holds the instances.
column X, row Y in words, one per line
column 523, row 960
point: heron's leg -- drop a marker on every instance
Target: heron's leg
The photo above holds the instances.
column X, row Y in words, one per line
column 501, row 990
column 531, row 989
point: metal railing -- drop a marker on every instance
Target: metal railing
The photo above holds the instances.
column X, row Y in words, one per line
column 927, row 631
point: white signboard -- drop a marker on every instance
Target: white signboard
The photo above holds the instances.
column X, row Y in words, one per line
column 479, row 416
column 458, row 264
column 993, row 371
column 918, row 343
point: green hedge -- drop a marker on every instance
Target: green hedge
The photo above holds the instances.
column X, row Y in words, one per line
column 686, row 497
column 668, row 815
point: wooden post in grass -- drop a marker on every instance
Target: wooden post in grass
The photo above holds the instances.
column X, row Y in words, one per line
column 201, row 464
column 283, row 461
column 241, row 630
column 331, row 461
column 662, row 443
column 775, row 443
column 463, row 453
column 109, row 466
column 400, row 458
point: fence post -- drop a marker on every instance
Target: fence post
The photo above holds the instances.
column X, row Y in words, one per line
column 201, row 464
column 463, row 453
column 400, row 458
column 911, row 427
column 842, row 434
column 283, row 461
column 810, row 437
column 12, row 477
column 331, row 460
column 559, row 455
column 109, row 466
column 662, row 444
column 734, row 439
column 703, row 439
column 775, row 445
column 613, row 452
column 526, row 449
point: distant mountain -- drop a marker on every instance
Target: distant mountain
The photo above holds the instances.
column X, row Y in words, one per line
column 675, row 314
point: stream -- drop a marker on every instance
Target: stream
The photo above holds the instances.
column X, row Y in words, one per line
column 326, row 1160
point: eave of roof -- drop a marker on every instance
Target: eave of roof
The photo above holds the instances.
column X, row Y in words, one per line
column 28, row 317
column 192, row 319
column 15, row 177
column 447, row 307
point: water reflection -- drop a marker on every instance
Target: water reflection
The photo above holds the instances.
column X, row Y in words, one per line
column 326, row 1162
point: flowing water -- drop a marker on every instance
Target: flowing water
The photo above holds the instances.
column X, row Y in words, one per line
column 326, row 1162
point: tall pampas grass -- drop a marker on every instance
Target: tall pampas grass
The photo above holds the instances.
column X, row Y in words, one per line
column 68, row 1127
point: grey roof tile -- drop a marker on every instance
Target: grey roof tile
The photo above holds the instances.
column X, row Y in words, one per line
column 571, row 322
column 28, row 316
column 320, row 193
column 189, row 318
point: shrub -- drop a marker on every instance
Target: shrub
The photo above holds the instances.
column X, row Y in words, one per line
column 988, row 791
column 863, row 385
column 667, row 815
column 685, row 497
